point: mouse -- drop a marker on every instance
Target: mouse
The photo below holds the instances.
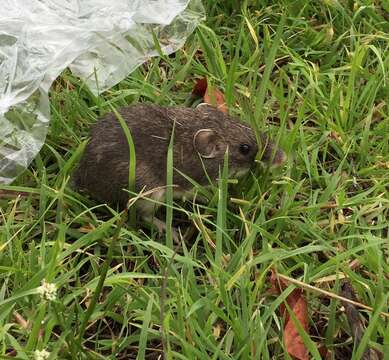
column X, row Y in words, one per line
column 201, row 137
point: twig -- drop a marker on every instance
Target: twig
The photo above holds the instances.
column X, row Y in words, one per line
column 330, row 294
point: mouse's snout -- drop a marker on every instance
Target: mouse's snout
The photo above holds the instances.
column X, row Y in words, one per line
column 271, row 154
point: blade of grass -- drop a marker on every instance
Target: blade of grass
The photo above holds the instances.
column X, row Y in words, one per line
column 260, row 98
column 221, row 210
column 169, row 191
column 132, row 162
column 103, row 274
column 145, row 329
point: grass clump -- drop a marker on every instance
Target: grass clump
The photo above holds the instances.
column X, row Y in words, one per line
column 321, row 218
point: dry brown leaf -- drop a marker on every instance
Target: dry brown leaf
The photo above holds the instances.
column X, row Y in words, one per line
column 294, row 344
column 211, row 96
column 216, row 98
column 200, row 87
column 296, row 301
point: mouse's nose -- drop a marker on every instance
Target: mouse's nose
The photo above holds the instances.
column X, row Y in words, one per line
column 279, row 158
column 271, row 154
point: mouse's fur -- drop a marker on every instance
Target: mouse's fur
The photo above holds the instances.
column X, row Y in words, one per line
column 201, row 137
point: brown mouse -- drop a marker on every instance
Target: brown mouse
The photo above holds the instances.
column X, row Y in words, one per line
column 201, row 137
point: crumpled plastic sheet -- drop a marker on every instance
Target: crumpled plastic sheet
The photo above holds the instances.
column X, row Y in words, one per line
column 96, row 39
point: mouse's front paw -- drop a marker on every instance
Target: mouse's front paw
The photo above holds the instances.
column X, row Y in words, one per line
column 161, row 227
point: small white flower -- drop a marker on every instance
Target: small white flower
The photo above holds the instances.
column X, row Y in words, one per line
column 47, row 291
column 41, row 354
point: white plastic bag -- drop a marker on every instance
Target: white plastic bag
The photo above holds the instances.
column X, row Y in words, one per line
column 96, row 39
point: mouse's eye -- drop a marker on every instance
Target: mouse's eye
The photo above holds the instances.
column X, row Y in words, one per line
column 244, row 149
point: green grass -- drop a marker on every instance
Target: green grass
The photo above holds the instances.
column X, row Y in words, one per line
column 322, row 93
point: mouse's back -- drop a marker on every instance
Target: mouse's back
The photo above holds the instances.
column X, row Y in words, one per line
column 104, row 166
column 201, row 137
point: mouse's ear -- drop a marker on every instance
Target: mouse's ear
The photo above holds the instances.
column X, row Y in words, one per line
column 204, row 106
column 208, row 143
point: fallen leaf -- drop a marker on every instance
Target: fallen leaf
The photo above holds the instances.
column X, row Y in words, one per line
column 200, row 87
column 296, row 301
column 216, row 98
column 19, row 319
column 294, row 344
column 211, row 96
